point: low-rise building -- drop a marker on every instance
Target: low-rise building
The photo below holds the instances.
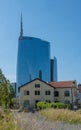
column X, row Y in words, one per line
column 65, row 91
column 39, row 90
column 35, row 91
column 79, row 93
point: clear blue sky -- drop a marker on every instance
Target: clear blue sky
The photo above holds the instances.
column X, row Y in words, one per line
column 57, row 21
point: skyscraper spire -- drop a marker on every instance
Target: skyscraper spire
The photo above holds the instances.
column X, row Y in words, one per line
column 21, row 27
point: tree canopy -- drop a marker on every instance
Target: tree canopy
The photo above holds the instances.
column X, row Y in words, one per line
column 6, row 91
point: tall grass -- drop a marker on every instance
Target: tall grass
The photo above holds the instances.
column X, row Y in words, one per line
column 64, row 115
column 7, row 121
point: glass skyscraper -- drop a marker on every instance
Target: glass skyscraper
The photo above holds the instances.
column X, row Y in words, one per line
column 33, row 60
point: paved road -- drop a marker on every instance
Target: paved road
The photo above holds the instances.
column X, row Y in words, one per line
column 34, row 121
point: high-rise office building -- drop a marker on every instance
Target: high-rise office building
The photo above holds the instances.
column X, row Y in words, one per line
column 53, row 69
column 33, row 60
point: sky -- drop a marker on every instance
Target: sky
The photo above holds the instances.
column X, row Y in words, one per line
column 56, row 21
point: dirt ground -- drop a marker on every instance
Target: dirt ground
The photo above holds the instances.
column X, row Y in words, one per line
column 34, row 121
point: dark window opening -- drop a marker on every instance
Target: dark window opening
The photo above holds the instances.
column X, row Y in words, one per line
column 56, row 93
column 37, row 85
column 66, row 93
column 26, row 103
column 47, row 92
column 36, row 103
column 26, row 92
column 37, row 92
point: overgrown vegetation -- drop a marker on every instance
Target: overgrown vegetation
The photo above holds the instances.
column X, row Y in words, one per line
column 7, row 121
column 6, row 91
column 64, row 115
column 59, row 112
column 44, row 105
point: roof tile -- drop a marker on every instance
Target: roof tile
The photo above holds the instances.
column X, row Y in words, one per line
column 63, row 84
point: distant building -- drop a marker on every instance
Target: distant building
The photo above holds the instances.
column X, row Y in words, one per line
column 33, row 60
column 53, row 69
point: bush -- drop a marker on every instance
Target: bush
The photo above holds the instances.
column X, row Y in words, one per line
column 53, row 105
column 44, row 105
column 60, row 105
column 41, row 105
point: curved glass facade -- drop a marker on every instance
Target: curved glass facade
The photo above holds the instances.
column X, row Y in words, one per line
column 33, row 60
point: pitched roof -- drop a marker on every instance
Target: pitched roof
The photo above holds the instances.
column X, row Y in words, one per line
column 63, row 84
column 33, row 81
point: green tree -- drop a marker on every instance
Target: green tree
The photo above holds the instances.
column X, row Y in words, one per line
column 11, row 94
column 2, row 77
column 6, row 91
column 4, row 94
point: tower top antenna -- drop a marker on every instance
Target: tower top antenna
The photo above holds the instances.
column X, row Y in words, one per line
column 21, row 27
